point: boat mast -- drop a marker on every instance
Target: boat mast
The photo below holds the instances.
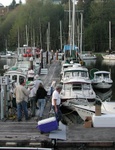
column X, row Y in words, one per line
column 48, row 37
column 26, row 36
column 109, row 35
column 70, row 26
column 18, row 41
column 61, row 34
column 81, row 32
column 73, row 29
column 6, row 43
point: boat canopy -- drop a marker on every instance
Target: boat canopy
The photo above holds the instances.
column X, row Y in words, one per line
column 68, row 48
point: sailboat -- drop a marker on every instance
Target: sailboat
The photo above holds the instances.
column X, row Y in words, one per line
column 111, row 55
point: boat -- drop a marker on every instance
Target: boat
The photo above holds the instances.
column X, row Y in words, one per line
column 75, row 71
column 89, row 110
column 7, row 54
column 102, row 80
column 15, row 75
column 110, row 53
column 28, row 53
column 64, row 66
column 20, row 70
column 88, row 56
column 108, row 62
column 110, row 56
column 78, row 90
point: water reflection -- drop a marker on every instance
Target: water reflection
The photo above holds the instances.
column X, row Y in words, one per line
column 90, row 62
column 107, row 66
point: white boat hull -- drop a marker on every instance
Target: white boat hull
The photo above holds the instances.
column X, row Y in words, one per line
column 109, row 57
column 89, row 110
column 102, row 85
column 88, row 56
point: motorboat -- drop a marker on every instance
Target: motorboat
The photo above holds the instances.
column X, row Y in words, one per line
column 75, row 71
column 102, row 80
column 89, row 110
column 20, row 70
column 7, row 54
column 88, row 56
column 77, row 89
column 15, row 75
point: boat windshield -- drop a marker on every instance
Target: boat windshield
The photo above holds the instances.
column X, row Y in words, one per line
column 105, row 75
column 76, row 74
column 86, row 86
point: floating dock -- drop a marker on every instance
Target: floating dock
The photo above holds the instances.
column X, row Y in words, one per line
column 25, row 133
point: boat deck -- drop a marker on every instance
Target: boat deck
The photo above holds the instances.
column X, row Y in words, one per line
column 25, row 133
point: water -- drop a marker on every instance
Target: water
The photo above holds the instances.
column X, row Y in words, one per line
column 105, row 65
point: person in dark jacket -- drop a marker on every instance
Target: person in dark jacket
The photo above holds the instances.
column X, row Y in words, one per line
column 40, row 99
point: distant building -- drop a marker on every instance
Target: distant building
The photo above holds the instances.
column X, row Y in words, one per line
column 3, row 10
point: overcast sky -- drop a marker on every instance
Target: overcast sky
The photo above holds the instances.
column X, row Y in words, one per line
column 8, row 2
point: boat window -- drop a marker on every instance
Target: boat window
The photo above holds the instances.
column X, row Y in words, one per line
column 84, row 74
column 67, row 74
column 106, row 75
column 75, row 74
column 77, row 87
column 67, row 87
column 14, row 77
column 21, row 77
column 98, row 76
column 86, row 86
column 79, row 74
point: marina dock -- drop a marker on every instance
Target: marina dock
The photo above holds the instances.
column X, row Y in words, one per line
column 25, row 133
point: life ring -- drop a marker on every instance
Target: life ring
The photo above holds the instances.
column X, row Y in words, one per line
column 24, row 55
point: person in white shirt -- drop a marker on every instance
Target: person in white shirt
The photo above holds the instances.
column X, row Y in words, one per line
column 56, row 103
column 30, row 74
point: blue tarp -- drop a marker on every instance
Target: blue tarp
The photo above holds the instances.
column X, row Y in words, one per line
column 67, row 47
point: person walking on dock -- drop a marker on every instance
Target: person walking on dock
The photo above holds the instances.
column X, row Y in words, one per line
column 56, row 102
column 21, row 100
column 40, row 99
column 32, row 95
column 52, row 87
column 37, row 81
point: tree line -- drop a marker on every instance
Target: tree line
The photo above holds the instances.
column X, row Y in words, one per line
column 30, row 22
